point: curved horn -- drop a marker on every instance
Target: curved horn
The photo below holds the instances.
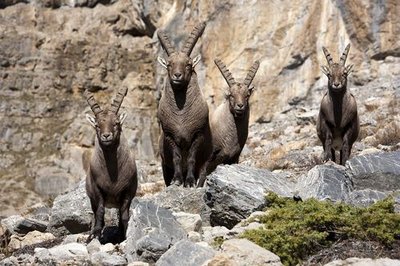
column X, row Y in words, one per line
column 344, row 55
column 252, row 72
column 225, row 72
column 118, row 99
column 193, row 37
column 92, row 102
column 327, row 56
column 165, row 42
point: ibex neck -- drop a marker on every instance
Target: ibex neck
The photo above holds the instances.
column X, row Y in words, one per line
column 183, row 96
column 337, row 104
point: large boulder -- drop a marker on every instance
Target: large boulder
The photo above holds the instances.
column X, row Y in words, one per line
column 233, row 192
column 186, row 253
column 328, row 181
column 71, row 212
column 378, row 171
column 151, row 232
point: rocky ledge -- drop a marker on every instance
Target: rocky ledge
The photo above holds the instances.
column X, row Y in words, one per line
column 181, row 226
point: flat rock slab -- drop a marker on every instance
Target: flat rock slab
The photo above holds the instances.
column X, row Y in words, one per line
column 233, row 192
column 151, row 232
column 365, row 197
column 364, row 262
column 327, row 181
column 378, row 171
column 186, row 253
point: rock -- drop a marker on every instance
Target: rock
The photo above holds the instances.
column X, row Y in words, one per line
column 245, row 252
column 93, row 246
column 233, row 192
column 71, row 212
column 75, row 238
column 189, row 222
column 62, row 253
column 180, row 199
column 23, row 259
column 211, row 233
column 151, row 232
column 138, row 263
column 328, row 181
column 364, row 262
column 28, row 225
column 33, row 237
column 11, row 223
column 380, row 171
column 194, row 236
column 365, row 197
column 103, row 258
column 108, row 248
column 185, row 253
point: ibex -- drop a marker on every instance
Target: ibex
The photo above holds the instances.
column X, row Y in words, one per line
column 111, row 180
column 338, row 123
column 229, row 123
column 183, row 114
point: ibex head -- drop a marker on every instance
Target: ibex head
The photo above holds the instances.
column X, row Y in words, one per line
column 337, row 72
column 238, row 94
column 106, row 122
column 179, row 64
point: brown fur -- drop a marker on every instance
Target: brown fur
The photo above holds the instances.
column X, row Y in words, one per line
column 229, row 123
column 183, row 114
column 338, row 123
column 111, row 180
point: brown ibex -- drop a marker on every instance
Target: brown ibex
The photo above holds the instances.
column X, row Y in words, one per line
column 338, row 123
column 183, row 114
column 111, row 180
column 229, row 123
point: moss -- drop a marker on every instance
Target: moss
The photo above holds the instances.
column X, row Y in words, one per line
column 295, row 230
column 217, row 242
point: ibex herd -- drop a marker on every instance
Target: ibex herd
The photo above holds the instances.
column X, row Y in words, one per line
column 193, row 143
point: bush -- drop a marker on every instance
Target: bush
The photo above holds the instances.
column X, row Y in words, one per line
column 294, row 230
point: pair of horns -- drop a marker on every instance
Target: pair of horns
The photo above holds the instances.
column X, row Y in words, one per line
column 228, row 76
column 116, row 104
column 189, row 44
column 342, row 58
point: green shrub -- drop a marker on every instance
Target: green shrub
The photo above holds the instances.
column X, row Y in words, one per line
column 294, row 230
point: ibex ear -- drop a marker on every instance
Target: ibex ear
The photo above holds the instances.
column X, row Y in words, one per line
column 227, row 93
column 196, row 60
column 122, row 118
column 162, row 61
column 325, row 70
column 92, row 120
column 348, row 69
column 251, row 90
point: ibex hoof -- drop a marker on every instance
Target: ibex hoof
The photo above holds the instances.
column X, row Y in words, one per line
column 190, row 182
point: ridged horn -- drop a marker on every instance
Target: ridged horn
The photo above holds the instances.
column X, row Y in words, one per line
column 344, row 55
column 252, row 72
column 116, row 104
column 165, row 42
column 327, row 56
column 225, row 72
column 92, row 102
column 193, row 37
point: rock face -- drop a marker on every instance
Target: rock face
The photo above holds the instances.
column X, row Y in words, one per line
column 151, row 232
column 235, row 191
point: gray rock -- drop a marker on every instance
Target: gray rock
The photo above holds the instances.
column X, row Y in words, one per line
column 11, row 223
column 103, row 258
column 71, row 212
column 186, row 253
column 62, row 253
column 233, row 192
column 212, row 232
column 180, row 199
column 189, row 222
column 328, row 181
column 22, row 259
column 27, row 225
column 245, row 252
column 151, row 232
column 93, row 246
column 365, row 197
column 379, row 171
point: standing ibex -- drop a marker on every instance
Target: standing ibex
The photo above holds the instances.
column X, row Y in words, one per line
column 338, row 123
column 183, row 114
column 112, row 176
column 229, row 123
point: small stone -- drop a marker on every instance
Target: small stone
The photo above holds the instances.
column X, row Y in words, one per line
column 11, row 223
column 194, row 236
column 31, row 238
column 94, row 246
column 190, row 222
column 108, row 248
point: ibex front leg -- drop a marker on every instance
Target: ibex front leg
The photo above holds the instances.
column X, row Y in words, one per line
column 177, row 161
column 98, row 209
column 191, row 162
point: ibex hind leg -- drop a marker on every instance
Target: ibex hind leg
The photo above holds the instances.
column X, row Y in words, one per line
column 124, row 216
column 168, row 174
column 98, row 210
